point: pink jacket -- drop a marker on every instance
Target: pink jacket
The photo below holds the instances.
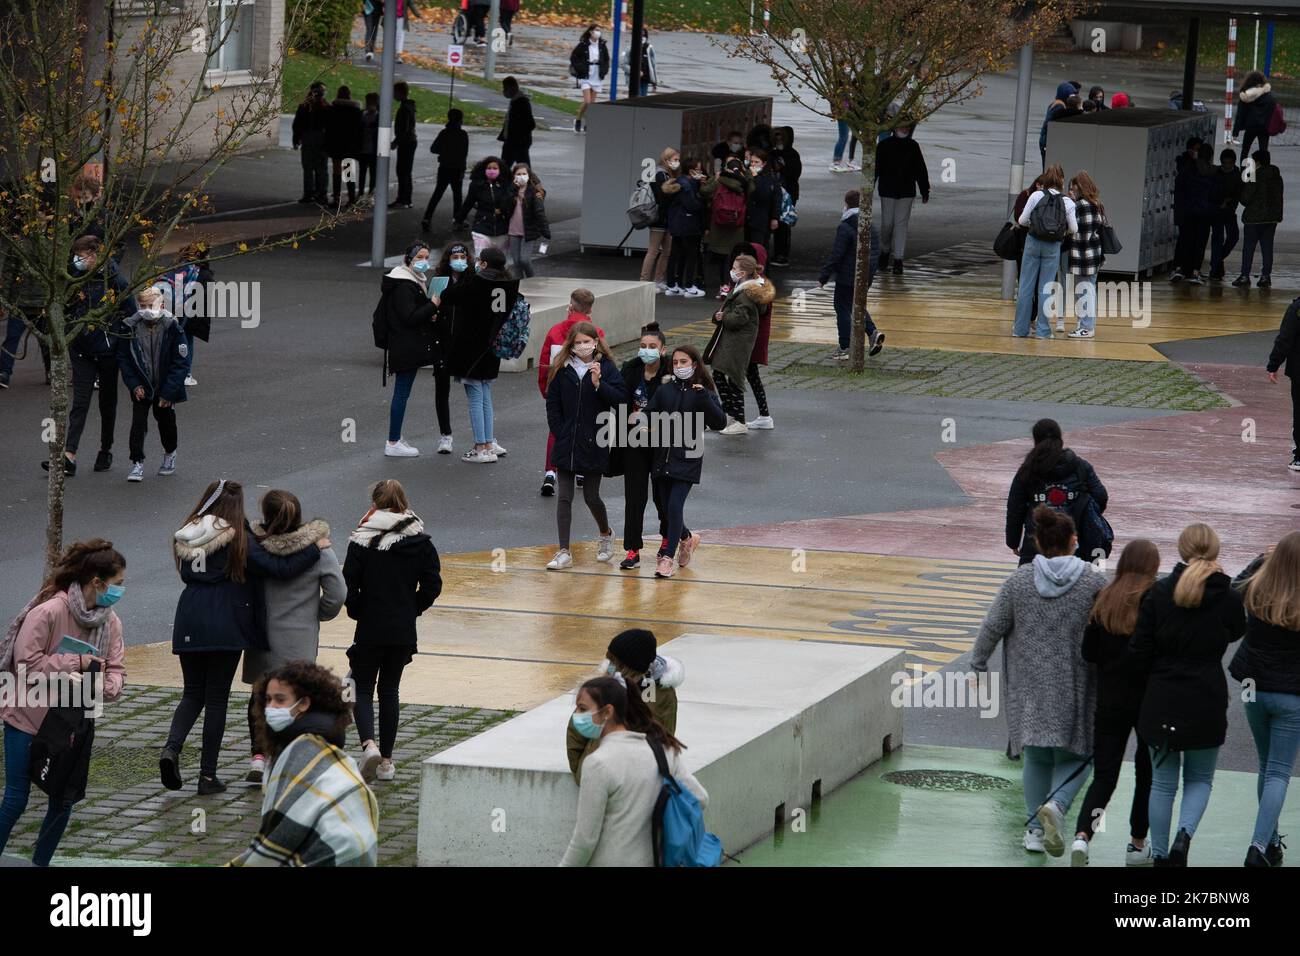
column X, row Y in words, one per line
column 34, row 650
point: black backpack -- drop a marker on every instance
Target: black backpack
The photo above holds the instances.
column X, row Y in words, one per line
column 1048, row 221
column 379, row 323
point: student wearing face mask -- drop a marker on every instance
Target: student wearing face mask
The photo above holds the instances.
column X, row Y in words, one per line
column 154, row 361
column 75, row 601
column 733, row 147
column 454, row 266
column 412, row 344
column 759, row 355
column 764, row 206
column 492, row 200
column 686, row 225
column 581, row 302
column 728, row 197
column 660, row 242
column 316, row 809
column 690, row 396
column 738, row 315
column 527, row 219
column 588, row 65
column 584, row 383
column 621, row 782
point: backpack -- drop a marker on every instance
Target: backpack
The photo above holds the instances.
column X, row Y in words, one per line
column 642, row 208
column 1095, row 532
column 1048, row 221
column 379, row 323
column 1276, row 121
column 789, row 215
column 677, row 825
column 728, row 208
column 512, row 338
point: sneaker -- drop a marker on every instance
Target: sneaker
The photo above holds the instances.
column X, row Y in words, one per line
column 838, row 166
column 400, row 449
column 577, row 126
column 69, row 466
column 840, row 355
column 897, row 267
column 369, row 762
column 1256, row 858
column 1194, row 278
column 883, row 262
column 853, row 167
column 780, row 262
column 190, row 381
column 1079, row 852
column 498, row 450
column 211, row 785
column 577, row 480
column 666, row 567
column 137, row 471
column 370, row 57
column 477, row 456
column 1053, row 820
column 1081, row 334
column 548, row 485
column 633, row 560
column 673, row 290
column 387, row 771
column 660, row 287
column 605, row 548
column 1034, row 840
column 4, row 379
column 1060, row 326
column 1264, row 282
column 256, row 769
column 694, row 292
column 723, row 292
column 1274, row 852
column 1138, row 856
column 1295, row 463
column 169, row 769
column 104, row 461
column 762, row 421
column 687, row 548
column 1242, row 282
column 1178, row 851
column 735, row 428
column 877, row 343
column 168, row 466
column 1177, row 276
column 563, row 559
column 444, row 445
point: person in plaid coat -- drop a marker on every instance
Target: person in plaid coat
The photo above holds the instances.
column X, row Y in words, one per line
column 1085, row 252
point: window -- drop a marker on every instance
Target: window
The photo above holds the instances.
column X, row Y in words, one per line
column 230, row 38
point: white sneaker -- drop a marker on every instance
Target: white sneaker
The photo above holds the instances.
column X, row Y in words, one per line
column 137, row 471
column 400, row 449
column 1034, row 840
column 735, row 428
column 1081, row 334
column 477, row 456
column 1060, row 326
column 852, row 167
column 673, row 290
column 386, row 771
column 256, row 770
column 444, row 445
column 498, row 450
column 762, row 421
column 694, row 292
column 1138, row 857
column 605, row 548
column 370, row 57
column 661, row 287
column 369, row 763
column 1079, row 852
column 190, row 381
column 561, row 560
column 1053, row 820
column 838, row 166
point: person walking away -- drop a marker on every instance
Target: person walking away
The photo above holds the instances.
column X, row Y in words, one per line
column 900, row 174
column 220, row 614
column 75, row 601
column 1086, row 257
column 621, row 783
column 685, row 225
column 1054, row 109
column 690, row 396
column 1054, row 475
column 316, row 808
column 451, row 146
column 1049, row 217
column 310, row 123
column 516, row 136
column 393, row 576
column 727, row 195
column 588, row 65
column 738, row 315
column 1255, row 107
column 154, row 361
column 584, row 384
column 1223, row 227
column 409, row 319
column 373, row 13
column 1185, row 624
column 842, row 266
column 1286, row 351
column 1039, row 615
column 476, row 310
column 654, row 266
column 763, row 207
column 1262, row 199
column 581, row 302
column 295, row 607
column 1268, row 665
column 1119, row 699
column 492, row 202
column 527, row 220
column 404, row 142
column 369, row 147
column 633, row 658
column 453, row 265
column 344, row 134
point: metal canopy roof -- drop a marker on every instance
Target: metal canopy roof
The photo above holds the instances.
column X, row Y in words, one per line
column 1267, row 9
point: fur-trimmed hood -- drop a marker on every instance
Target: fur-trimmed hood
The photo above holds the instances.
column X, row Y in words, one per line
column 291, row 542
column 760, row 290
column 1255, row 92
column 202, row 537
column 670, row 186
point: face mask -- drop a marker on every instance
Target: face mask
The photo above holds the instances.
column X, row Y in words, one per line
column 611, row 670
column 521, row 180
column 901, row 135
column 587, row 727
column 674, row 164
column 79, row 263
column 420, row 265
column 585, row 351
column 684, row 372
column 492, row 173
column 459, row 265
column 278, row 718
column 734, row 147
column 152, row 311
column 649, row 356
column 111, row 596
column 595, row 37
column 737, row 276
column 755, row 168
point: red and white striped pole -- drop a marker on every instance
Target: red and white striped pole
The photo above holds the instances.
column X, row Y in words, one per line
column 1230, row 93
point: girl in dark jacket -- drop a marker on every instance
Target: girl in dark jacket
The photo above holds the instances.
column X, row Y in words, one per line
column 1051, row 474
column 1185, row 624
column 588, row 65
column 1119, row 698
column 1269, row 658
column 527, row 219
column 475, row 311
column 411, row 342
column 764, row 207
column 691, row 399
column 759, row 354
column 584, row 385
column 221, row 613
column 492, row 200
column 1202, row 197
column 739, row 315
column 454, row 266
column 393, row 576
column 1255, row 105
column 685, row 220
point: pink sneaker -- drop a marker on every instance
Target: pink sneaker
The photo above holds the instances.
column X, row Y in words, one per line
column 687, row 548
column 667, row 567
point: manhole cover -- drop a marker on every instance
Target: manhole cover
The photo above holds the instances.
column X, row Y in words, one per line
column 953, row 780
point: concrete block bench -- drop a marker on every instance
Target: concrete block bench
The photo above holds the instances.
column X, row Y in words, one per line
column 768, row 724
column 622, row 309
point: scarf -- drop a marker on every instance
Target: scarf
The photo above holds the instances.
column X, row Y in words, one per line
column 383, row 529
column 93, row 620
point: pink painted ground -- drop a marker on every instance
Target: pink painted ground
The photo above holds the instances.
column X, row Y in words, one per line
column 1162, row 474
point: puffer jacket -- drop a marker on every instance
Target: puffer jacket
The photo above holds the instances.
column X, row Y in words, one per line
column 1060, row 487
column 1262, row 199
column 681, row 460
column 685, row 213
column 492, row 202
column 740, row 324
column 1255, row 107
column 573, row 410
column 409, row 311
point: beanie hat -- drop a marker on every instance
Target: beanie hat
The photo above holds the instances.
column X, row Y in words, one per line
column 635, row 648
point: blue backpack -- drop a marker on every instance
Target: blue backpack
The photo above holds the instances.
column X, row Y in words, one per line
column 789, row 215
column 677, row 825
column 512, row 338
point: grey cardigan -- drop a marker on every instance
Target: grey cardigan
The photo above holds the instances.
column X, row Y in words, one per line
column 295, row 608
column 1050, row 690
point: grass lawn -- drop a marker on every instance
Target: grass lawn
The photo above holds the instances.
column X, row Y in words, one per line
column 1213, row 47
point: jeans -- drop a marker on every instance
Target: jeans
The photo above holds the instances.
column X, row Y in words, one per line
column 207, row 676
column 84, row 371
column 478, row 392
column 1110, row 740
column 1223, row 239
column 564, row 504
column 1198, row 778
column 841, row 140
column 894, row 216
column 446, row 178
column 517, row 256
column 166, row 419
column 682, row 260
column 658, row 248
column 1038, row 268
column 1085, row 302
column 673, row 494
column 1275, row 724
column 14, row 329
column 314, row 163
column 380, row 666
column 402, row 382
column 1047, row 773
column 1261, row 233
column 18, row 786
column 843, row 298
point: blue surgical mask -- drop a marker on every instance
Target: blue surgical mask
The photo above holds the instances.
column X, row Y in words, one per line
column 111, row 596
column 279, row 718
column 420, row 265
column 649, row 356
column 587, row 727
column 459, row 265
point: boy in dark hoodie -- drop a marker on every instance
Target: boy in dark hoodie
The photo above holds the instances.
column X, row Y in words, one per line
column 404, row 141
column 154, row 359
column 1054, row 110
column 789, row 166
column 344, row 133
column 451, row 146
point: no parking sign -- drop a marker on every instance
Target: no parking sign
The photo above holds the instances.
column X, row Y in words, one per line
column 455, row 54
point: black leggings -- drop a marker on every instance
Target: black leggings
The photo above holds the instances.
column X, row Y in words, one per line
column 207, row 676
column 1110, row 742
column 636, row 479
column 564, row 503
column 441, row 399
column 756, row 383
column 446, row 177
column 382, row 666
column 681, row 261
column 732, row 396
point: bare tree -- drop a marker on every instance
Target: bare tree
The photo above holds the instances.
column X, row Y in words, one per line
column 878, row 64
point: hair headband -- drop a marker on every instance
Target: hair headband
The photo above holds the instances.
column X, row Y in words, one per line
column 212, row 498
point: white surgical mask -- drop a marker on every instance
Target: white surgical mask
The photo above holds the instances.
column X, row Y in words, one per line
column 521, row 180
column 79, row 263
column 674, row 164
column 595, row 37
column 755, row 168
column 278, row 718
column 737, row 276
column 684, row 371
column 734, row 147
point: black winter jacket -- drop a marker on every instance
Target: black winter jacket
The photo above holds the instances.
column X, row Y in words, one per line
column 451, row 146
column 469, row 309
column 388, row 590
column 1120, row 683
column 96, row 340
column 639, row 392
column 536, row 225
column 344, row 131
column 573, row 408
column 404, row 123
column 685, row 213
column 310, row 124
column 900, row 168
column 678, row 461
column 493, row 202
column 1059, row 487
column 580, row 61
column 763, row 205
column 842, row 264
column 1270, row 654
column 1254, row 109
column 1286, row 347
column 411, row 339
